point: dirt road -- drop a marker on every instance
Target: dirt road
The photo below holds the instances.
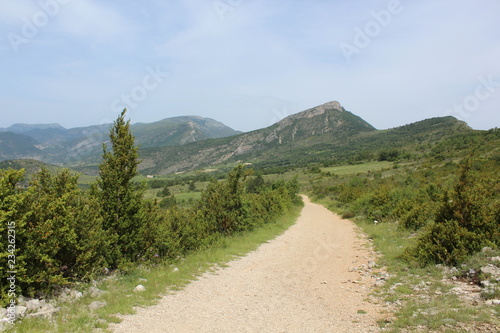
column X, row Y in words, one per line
column 302, row 281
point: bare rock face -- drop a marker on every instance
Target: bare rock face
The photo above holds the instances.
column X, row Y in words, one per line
column 75, row 294
column 330, row 105
column 492, row 270
column 34, row 304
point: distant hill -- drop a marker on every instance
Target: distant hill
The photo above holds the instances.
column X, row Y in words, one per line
column 31, row 166
column 13, row 145
column 324, row 134
column 179, row 130
column 55, row 144
column 329, row 122
column 26, row 128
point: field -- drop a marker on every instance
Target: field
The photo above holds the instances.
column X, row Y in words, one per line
column 358, row 168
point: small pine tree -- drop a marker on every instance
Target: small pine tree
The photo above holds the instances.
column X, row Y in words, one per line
column 467, row 204
column 119, row 198
column 192, row 186
column 165, row 192
column 255, row 184
column 464, row 223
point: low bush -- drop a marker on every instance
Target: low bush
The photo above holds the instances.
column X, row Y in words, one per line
column 466, row 221
column 59, row 235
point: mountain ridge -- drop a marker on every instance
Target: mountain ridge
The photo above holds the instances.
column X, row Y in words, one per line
column 52, row 143
column 323, row 133
column 325, row 119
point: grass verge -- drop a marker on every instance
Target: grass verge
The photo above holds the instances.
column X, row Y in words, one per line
column 75, row 316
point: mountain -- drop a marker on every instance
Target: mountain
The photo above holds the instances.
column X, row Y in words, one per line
column 325, row 134
column 329, row 122
column 26, row 128
column 55, row 144
column 42, row 133
column 31, row 166
column 13, row 145
column 179, row 130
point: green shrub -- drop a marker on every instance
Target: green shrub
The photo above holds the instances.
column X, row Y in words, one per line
column 348, row 215
column 419, row 216
column 464, row 222
column 59, row 236
column 445, row 243
column 168, row 202
column 389, row 155
column 165, row 192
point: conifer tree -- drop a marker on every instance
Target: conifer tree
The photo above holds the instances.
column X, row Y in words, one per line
column 120, row 200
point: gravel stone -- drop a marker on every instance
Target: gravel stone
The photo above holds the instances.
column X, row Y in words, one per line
column 139, row 288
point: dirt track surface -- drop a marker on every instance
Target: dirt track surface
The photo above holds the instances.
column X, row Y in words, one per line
column 302, row 281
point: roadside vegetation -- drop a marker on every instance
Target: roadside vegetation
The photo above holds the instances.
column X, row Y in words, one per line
column 436, row 223
column 117, row 289
column 66, row 235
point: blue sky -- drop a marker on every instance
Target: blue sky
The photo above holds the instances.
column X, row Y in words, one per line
column 248, row 63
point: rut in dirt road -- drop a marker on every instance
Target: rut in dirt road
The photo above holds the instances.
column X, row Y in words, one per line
column 301, row 281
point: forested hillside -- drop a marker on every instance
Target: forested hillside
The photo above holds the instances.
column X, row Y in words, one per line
column 326, row 135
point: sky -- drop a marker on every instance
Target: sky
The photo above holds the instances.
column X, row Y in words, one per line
column 248, row 63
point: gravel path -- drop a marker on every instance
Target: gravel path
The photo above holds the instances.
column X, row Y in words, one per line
column 302, row 281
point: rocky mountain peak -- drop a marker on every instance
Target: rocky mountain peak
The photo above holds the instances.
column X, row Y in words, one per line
column 311, row 113
column 330, row 105
column 320, row 109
